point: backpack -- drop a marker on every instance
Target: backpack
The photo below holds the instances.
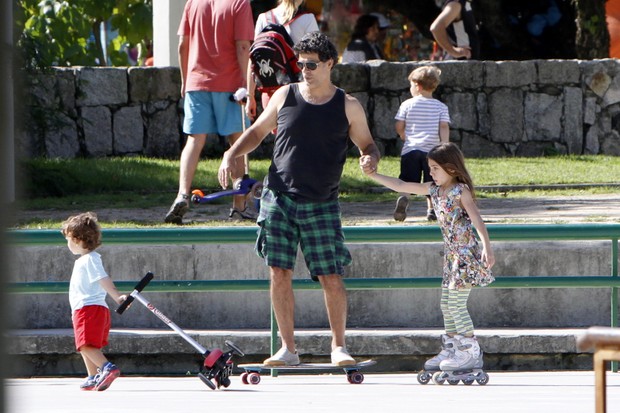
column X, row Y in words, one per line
column 273, row 60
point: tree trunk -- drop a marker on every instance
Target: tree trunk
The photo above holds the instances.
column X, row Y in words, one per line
column 592, row 40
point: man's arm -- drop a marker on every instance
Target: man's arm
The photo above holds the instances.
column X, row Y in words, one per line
column 253, row 136
column 183, row 56
column 449, row 14
column 243, row 58
column 360, row 135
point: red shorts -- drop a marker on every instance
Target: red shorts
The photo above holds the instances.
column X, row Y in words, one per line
column 91, row 325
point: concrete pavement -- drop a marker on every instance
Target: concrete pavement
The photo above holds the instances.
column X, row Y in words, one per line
column 511, row 392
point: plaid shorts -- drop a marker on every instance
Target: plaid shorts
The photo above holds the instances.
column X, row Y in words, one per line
column 315, row 226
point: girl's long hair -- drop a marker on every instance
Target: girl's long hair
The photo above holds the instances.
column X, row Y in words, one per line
column 290, row 9
column 451, row 160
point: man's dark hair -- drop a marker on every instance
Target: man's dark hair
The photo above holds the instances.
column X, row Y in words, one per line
column 317, row 42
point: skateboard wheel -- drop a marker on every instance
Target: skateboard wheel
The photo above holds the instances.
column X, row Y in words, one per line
column 244, row 377
column 212, row 358
column 424, row 377
column 254, row 378
column 355, row 378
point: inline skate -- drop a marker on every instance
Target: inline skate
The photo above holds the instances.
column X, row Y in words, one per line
column 448, row 345
column 465, row 365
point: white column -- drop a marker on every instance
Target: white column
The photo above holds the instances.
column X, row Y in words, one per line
column 166, row 19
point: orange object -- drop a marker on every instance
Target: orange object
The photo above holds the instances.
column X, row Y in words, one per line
column 612, row 10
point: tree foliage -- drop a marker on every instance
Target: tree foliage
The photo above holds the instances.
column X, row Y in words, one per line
column 67, row 33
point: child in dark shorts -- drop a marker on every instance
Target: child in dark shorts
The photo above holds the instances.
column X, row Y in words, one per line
column 421, row 122
column 87, row 292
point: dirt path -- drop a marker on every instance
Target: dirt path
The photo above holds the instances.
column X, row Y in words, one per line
column 575, row 209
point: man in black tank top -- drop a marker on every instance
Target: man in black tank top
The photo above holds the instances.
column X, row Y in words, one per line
column 299, row 204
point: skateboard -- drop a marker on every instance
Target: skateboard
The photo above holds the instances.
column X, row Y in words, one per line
column 251, row 375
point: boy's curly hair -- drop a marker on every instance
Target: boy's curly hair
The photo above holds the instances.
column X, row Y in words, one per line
column 83, row 228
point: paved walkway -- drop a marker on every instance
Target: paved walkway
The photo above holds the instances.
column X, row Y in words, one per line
column 510, row 392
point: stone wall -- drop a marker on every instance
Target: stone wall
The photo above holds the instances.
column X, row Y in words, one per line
column 526, row 108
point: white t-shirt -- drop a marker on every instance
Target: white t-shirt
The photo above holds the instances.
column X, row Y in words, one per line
column 84, row 288
column 303, row 24
column 422, row 116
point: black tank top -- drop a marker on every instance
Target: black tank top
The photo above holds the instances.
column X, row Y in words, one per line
column 310, row 147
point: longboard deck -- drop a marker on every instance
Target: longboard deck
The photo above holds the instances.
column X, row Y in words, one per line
column 307, row 366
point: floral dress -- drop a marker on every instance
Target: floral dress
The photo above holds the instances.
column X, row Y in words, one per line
column 463, row 267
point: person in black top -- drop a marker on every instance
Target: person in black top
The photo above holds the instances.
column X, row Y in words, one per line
column 455, row 30
column 363, row 44
column 299, row 204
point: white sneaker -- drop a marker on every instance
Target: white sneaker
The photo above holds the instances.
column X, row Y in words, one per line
column 341, row 357
column 283, row 358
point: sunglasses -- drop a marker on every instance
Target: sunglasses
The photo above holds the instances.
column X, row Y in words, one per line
column 308, row 65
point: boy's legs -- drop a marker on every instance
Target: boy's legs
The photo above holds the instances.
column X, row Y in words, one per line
column 93, row 359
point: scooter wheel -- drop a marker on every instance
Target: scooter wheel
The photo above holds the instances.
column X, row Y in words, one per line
column 206, row 381
column 257, row 190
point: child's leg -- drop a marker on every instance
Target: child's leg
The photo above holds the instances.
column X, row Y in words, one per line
column 93, row 358
column 457, row 307
column 448, row 319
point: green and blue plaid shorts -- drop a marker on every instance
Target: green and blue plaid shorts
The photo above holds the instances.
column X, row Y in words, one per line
column 286, row 224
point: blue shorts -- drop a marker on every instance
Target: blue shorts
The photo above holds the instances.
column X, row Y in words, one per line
column 211, row 112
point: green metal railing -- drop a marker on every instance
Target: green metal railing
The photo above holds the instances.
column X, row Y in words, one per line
column 375, row 234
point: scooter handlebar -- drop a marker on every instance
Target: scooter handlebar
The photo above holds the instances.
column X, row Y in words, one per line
column 139, row 287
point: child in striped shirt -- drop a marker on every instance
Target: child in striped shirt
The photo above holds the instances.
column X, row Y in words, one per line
column 422, row 122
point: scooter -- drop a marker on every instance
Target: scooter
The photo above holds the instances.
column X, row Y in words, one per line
column 243, row 186
column 217, row 366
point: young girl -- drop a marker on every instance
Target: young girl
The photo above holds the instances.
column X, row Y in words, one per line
column 87, row 291
column 465, row 264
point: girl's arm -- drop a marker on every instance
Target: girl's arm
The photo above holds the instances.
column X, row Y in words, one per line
column 394, row 183
column 110, row 288
column 467, row 202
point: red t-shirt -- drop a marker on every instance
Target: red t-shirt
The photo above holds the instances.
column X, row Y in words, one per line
column 212, row 27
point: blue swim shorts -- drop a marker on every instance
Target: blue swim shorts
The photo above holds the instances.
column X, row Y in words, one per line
column 211, row 112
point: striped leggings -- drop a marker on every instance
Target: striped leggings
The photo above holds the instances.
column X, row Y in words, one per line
column 456, row 318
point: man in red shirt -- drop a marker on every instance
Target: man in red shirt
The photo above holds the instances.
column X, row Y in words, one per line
column 214, row 44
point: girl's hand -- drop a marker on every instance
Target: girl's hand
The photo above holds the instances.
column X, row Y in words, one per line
column 487, row 257
column 368, row 164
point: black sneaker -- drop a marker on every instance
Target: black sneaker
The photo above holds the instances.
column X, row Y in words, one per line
column 400, row 212
column 177, row 210
column 246, row 214
column 430, row 215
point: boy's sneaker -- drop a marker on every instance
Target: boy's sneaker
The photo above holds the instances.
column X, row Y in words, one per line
column 177, row 210
column 283, row 358
column 90, row 383
column 430, row 215
column 400, row 212
column 341, row 357
column 108, row 374
column 247, row 213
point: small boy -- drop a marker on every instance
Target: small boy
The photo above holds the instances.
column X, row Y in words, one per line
column 87, row 292
column 422, row 123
